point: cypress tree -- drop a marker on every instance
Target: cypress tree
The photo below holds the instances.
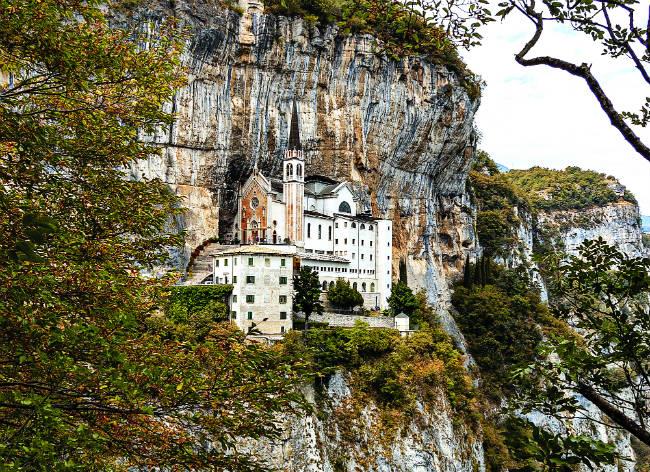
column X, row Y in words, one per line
column 477, row 272
column 467, row 273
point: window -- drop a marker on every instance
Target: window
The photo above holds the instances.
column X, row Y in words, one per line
column 267, row 261
column 216, row 262
column 283, row 262
column 345, row 225
column 233, row 314
column 283, row 315
column 234, row 279
column 336, row 241
column 331, row 284
column 345, row 241
column 363, row 256
column 370, row 256
column 225, row 262
column 320, row 232
column 255, row 202
column 344, row 207
column 354, row 225
column 250, row 298
column 354, row 255
column 283, row 281
column 336, row 225
column 329, row 233
column 234, row 298
column 324, row 285
column 363, row 287
column 309, row 230
column 283, row 299
column 250, row 261
column 388, row 243
column 250, row 315
column 354, row 285
column 299, row 170
column 362, row 242
column 363, row 226
column 370, row 227
column 370, row 243
column 250, row 279
column 289, row 170
column 281, row 329
column 235, row 261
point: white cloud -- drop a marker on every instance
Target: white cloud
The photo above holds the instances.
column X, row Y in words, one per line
column 541, row 116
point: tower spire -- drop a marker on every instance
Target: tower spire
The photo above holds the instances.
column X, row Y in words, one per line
column 294, row 132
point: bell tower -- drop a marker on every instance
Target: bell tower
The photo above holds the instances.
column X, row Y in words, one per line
column 293, row 178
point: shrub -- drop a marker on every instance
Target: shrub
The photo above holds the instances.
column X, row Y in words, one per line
column 202, row 300
column 342, row 295
column 402, row 299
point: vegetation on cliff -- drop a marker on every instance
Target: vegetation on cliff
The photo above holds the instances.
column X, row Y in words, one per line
column 401, row 29
column 569, row 189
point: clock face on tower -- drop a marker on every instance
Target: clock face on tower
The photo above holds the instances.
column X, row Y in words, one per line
column 255, row 202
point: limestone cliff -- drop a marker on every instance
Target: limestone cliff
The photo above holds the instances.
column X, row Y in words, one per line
column 402, row 129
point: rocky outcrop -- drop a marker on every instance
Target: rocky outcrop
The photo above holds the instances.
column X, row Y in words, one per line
column 403, row 130
column 347, row 436
column 617, row 223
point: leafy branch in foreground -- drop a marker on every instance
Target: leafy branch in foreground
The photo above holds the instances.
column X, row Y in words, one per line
column 604, row 295
column 92, row 375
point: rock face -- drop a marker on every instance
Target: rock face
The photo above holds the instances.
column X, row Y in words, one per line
column 617, row 223
column 347, row 437
column 401, row 129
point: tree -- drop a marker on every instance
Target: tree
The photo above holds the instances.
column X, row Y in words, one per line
column 402, row 299
column 93, row 376
column 342, row 295
column 467, row 273
column 616, row 25
column 604, row 293
column 307, row 293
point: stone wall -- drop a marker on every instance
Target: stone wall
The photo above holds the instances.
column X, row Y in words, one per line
column 341, row 320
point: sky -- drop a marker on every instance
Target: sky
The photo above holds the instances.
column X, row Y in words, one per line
column 541, row 116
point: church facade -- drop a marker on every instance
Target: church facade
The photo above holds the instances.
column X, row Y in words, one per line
column 321, row 222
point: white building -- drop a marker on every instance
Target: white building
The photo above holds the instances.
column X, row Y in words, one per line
column 262, row 279
column 317, row 220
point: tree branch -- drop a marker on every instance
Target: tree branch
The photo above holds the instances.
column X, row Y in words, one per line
column 583, row 71
column 614, row 413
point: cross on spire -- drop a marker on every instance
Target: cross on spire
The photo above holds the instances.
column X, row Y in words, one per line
column 294, row 132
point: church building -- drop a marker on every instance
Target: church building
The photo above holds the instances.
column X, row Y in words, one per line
column 318, row 220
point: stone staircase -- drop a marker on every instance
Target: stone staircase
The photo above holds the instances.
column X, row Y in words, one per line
column 202, row 265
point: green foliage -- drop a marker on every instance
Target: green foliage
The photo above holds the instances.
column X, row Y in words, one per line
column 646, row 240
column 500, row 204
column 392, row 369
column 499, row 321
column 402, row 299
column 342, row 295
column 184, row 300
column 568, row 189
column 307, row 293
column 604, row 294
column 93, row 376
column 537, row 449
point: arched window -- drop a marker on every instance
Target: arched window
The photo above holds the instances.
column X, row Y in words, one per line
column 324, row 285
column 354, row 285
column 299, row 170
column 363, row 287
column 363, row 226
column 344, row 207
column 309, row 230
column 289, row 170
column 320, row 232
column 372, row 287
column 370, row 227
column 331, row 284
column 354, row 225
